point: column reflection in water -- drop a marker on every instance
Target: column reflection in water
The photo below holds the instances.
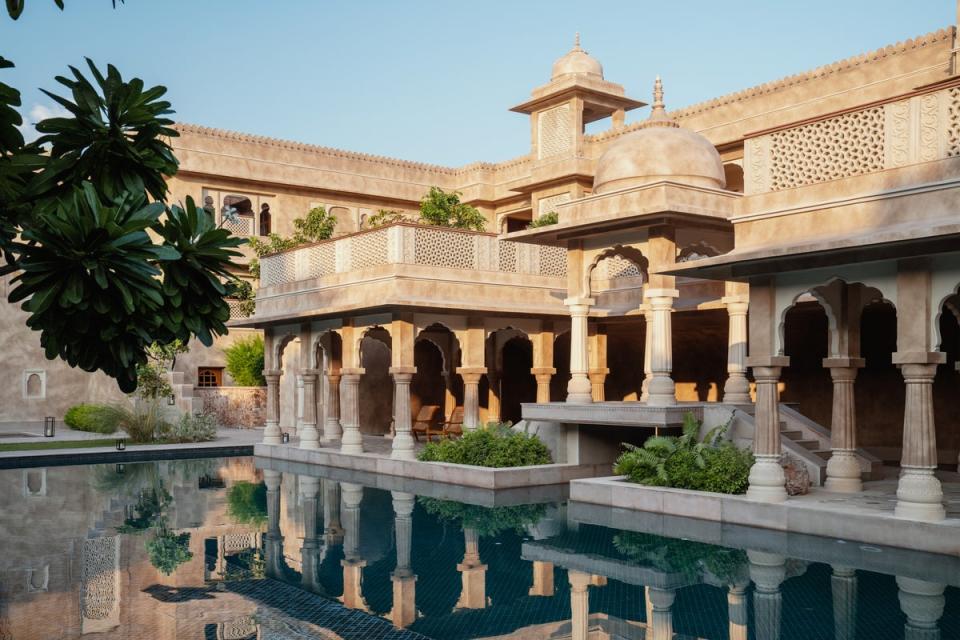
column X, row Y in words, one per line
column 404, row 611
column 767, row 570
column 737, row 609
column 351, row 495
column 310, row 551
column 579, row 604
column 922, row 602
column 843, row 586
column 473, row 574
column 276, row 566
column 332, row 528
column 660, row 623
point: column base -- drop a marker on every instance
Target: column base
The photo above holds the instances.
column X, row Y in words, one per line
column 662, row 391
column 309, row 437
column 919, row 495
column 843, row 472
column 351, row 445
column 737, row 390
column 767, row 480
column 579, row 390
column 271, row 433
column 403, row 447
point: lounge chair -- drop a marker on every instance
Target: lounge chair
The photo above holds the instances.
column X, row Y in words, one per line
column 426, row 418
column 453, row 427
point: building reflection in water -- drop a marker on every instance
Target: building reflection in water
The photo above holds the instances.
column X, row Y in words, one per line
column 413, row 562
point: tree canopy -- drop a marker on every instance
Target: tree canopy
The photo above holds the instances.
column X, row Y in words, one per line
column 104, row 266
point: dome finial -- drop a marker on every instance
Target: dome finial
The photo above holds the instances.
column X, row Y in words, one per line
column 658, row 114
column 576, row 41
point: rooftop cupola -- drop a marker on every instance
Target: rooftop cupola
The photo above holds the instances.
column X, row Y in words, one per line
column 577, row 61
column 660, row 150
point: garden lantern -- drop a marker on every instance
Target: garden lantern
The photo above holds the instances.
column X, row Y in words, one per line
column 121, row 444
column 49, row 426
column 121, row 469
column 171, row 400
column 285, row 438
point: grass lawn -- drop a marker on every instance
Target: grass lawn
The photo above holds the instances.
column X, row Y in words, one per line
column 56, row 444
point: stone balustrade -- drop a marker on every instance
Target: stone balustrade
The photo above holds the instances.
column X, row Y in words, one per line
column 412, row 244
column 912, row 130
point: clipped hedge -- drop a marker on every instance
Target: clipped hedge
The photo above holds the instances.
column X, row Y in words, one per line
column 495, row 445
column 95, row 418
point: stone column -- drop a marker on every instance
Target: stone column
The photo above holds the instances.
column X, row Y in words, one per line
column 331, row 422
column 309, row 437
column 473, row 574
column 579, row 604
column 766, row 474
column 471, row 396
column 493, row 395
column 579, row 390
column 736, row 389
column 922, row 602
column 843, row 586
column 543, row 376
column 403, row 420
column 271, row 434
column 843, row 470
column 310, row 550
column 660, row 627
column 352, row 441
column 647, row 350
column 404, row 611
column 449, row 399
column 332, row 529
column 737, row 611
column 768, row 571
column 352, row 563
column 597, row 379
column 919, row 495
column 273, row 538
column 542, row 579
column 298, row 405
column 661, row 390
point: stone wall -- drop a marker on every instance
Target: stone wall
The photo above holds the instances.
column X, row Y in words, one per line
column 240, row 407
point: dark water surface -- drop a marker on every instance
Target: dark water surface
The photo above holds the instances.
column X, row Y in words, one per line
column 220, row 549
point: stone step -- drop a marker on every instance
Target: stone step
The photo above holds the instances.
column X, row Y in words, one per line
column 812, row 445
column 823, row 454
column 792, row 435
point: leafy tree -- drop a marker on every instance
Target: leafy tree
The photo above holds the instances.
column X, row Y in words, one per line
column 165, row 355
column 444, row 209
column 102, row 272
column 486, row 521
column 168, row 550
column 385, row 216
column 245, row 361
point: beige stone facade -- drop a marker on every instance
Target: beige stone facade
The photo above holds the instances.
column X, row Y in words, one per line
column 805, row 228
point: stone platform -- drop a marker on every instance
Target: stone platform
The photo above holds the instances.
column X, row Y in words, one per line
column 376, row 459
column 865, row 517
column 621, row 414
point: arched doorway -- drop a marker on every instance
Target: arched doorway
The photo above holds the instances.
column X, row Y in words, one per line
column 376, row 384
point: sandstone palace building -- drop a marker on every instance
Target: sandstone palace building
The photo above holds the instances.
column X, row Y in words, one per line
column 788, row 255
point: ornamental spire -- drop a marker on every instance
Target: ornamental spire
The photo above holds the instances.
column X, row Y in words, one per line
column 576, row 42
column 658, row 114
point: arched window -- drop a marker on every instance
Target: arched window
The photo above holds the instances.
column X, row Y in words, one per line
column 264, row 219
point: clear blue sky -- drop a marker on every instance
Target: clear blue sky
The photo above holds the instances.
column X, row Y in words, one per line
column 433, row 80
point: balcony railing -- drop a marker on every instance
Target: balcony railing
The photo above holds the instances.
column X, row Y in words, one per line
column 919, row 128
column 412, row 244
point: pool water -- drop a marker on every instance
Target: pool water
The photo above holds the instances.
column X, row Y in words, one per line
column 222, row 549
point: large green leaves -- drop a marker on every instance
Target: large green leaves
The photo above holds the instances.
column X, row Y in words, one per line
column 91, row 282
column 114, row 137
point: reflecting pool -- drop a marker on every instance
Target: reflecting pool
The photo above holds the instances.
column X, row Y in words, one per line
column 222, row 549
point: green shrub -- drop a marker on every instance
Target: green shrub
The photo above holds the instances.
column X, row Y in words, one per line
column 674, row 555
column 245, row 361
column 247, row 502
column 143, row 422
column 685, row 462
column 191, row 428
column 551, row 217
column 495, row 445
column 95, row 418
column 486, row 521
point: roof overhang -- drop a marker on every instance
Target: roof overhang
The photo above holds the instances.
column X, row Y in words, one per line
column 890, row 243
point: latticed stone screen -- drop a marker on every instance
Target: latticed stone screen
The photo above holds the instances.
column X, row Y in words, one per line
column 848, row 145
column 615, row 267
column 953, row 122
column 98, row 578
column 278, row 269
column 446, row 249
column 548, row 204
column 368, row 249
column 553, row 261
column 555, row 131
column 321, row 260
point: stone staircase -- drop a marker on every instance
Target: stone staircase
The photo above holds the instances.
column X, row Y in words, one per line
column 185, row 399
column 808, row 441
